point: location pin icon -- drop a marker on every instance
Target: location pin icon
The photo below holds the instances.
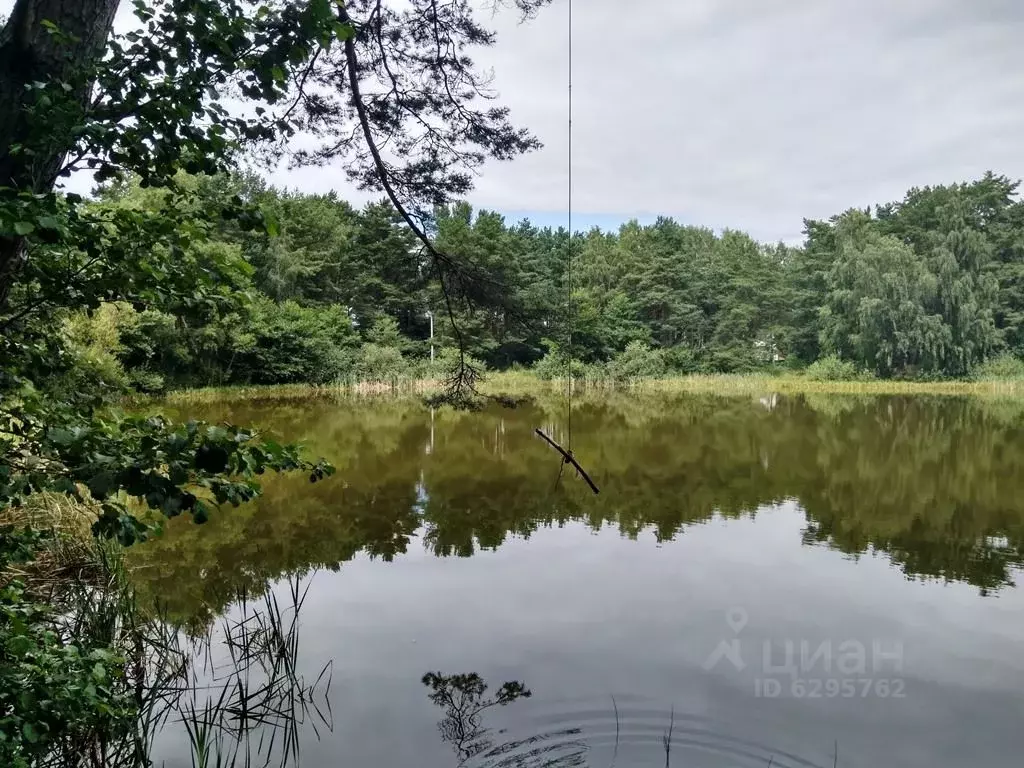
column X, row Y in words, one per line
column 736, row 618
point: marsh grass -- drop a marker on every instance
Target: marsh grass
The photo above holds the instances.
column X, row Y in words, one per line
column 285, row 392
column 255, row 702
column 234, row 690
column 71, row 553
column 526, row 383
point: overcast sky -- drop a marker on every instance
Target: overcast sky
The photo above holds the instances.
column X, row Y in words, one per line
column 753, row 114
column 750, row 114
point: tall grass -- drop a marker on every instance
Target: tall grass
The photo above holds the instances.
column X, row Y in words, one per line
column 525, row 382
column 234, row 692
column 256, row 701
column 257, row 393
column 71, row 554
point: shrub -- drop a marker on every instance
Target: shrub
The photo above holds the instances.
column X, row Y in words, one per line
column 681, row 360
column 637, row 361
column 94, row 342
column 831, row 368
column 377, row 362
column 1005, row 366
column 555, row 366
column 154, row 349
column 446, row 360
column 551, row 366
column 295, row 344
column 55, row 695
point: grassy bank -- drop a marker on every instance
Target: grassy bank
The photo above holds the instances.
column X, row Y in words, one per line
column 89, row 676
column 525, row 382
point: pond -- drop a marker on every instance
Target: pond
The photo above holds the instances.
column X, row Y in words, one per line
column 793, row 581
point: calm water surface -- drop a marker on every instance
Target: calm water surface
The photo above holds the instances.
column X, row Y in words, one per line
column 788, row 580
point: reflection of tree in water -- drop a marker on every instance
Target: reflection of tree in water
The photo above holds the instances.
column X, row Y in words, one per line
column 931, row 482
column 463, row 699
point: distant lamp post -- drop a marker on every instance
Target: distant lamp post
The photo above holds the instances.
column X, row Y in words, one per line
column 431, row 316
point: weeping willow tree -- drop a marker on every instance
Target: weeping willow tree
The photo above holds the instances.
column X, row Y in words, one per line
column 898, row 309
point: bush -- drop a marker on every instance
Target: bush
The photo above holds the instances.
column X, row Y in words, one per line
column 381, row 363
column 56, row 696
column 551, row 366
column 445, row 362
column 294, row 344
column 831, row 368
column 794, row 364
column 555, row 366
column 637, row 361
column 93, row 342
column 154, row 349
column 682, row 360
column 1000, row 368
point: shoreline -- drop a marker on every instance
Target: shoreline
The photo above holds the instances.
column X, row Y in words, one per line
column 523, row 383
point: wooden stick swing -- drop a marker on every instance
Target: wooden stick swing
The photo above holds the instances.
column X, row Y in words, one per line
column 568, row 458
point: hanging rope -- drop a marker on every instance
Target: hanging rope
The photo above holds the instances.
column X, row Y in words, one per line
column 568, row 270
column 567, row 454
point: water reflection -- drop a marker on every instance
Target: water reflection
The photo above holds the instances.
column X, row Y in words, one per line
column 586, row 737
column 933, row 483
column 233, row 695
column 462, row 698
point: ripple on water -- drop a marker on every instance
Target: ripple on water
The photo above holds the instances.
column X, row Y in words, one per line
column 627, row 734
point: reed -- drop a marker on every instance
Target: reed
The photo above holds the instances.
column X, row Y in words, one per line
column 525, row 382
column 71, row 553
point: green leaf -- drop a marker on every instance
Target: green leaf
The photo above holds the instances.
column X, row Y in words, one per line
column 101, row 484
column 30, row 733
column 60, row 436
column 24, row 227
column 271, row 225
column 200, row 513
column 344, row 31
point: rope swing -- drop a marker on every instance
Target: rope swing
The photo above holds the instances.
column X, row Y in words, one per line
column 567, row 454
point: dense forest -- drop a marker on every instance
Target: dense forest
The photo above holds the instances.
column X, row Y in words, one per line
column 929, row 286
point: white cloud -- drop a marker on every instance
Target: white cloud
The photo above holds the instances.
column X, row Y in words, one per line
column 757, row 113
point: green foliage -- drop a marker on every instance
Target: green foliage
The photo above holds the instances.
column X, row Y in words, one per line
column 169, row 279
column 637, row 361
column 53, row 693
column 913, row 292
column 556, row 364
column 1002, row 368
column 832, row 368
column 288, row 342
column 93, row 342
column 926, row 287
column 381, row 363
column 446, row 360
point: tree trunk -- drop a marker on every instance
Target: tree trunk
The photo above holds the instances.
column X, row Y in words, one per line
column 31, row 53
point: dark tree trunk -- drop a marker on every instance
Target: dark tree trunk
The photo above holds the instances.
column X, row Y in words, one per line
column 31, row 53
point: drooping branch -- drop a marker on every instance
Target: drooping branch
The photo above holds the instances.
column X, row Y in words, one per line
column 465, row 375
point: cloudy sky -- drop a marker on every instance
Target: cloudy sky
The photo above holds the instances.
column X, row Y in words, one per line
column 753, row 114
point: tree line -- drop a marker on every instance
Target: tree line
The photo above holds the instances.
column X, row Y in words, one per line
column 931, row 286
